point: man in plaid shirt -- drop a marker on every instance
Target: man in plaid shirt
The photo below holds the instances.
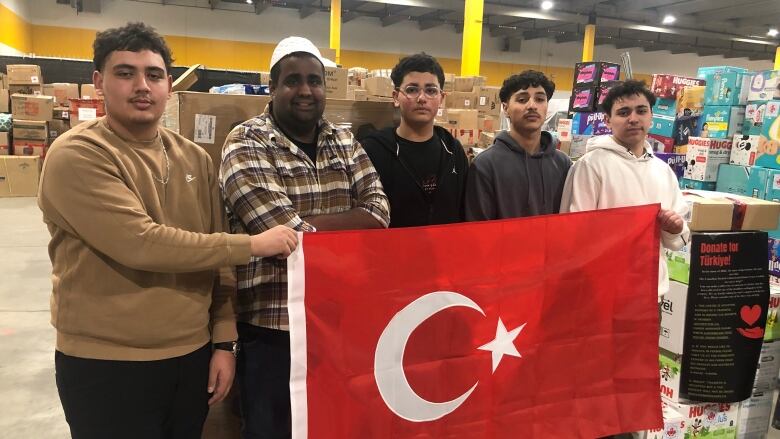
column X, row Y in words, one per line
column 288, row 166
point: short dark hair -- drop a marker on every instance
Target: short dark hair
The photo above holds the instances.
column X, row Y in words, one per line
column 419, row 62
column 133, row 37
column 523, row 80
column 276, row 70
column 631, row 87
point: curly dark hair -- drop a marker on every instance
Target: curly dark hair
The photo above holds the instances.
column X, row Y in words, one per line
column 419, row 62
column 133, row 37
column 630, row 87
column 523, row 80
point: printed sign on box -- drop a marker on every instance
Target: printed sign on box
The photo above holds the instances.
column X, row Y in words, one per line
column 726, row 312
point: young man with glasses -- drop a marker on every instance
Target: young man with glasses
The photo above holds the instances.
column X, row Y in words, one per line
column 422, row 167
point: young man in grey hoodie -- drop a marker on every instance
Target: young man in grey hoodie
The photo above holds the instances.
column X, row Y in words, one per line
column 523, row 173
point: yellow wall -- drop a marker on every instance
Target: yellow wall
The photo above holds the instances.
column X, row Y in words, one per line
column 15, row 31
column 65, row 42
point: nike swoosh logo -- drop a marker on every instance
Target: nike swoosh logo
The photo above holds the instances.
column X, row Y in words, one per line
column 189, row 178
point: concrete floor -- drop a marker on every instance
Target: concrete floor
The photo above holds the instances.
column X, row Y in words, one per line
column 30, row 407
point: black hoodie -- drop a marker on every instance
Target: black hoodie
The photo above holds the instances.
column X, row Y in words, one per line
column 505, row 182
column 409, row 205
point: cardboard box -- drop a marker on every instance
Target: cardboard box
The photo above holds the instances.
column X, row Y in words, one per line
column 356, row 93
column 62, row 92
column 29, row 107
column 487, row 123
column 24, row 74
column 579, row 143
column 592, row 124
column 3, row 81
column 371, row 98
column 82, row 110
column 769, row 144
column 488, row 102
column 718, row 420
column 772, row 331
column 5, row 101
column 360, row 117
column 687, row 183
column 88, row 91
column 727, row 88
column 465, row 84
column 336, row 81
column 19, row 176
column 744, row 150
column 584, row 99
column 29, row 147
column 595, row 72
column 704, row 156
column 721, row 122
column 672, row 328
column 718, row 211
column 461, row 100
column 486, row 139
column 665, row 107
column 733, row 179
column 755, row 413
column 186, row 79
column 379, row 86
column 463, row 125
column 207, row 118
column 5, row 143
column 668, row 86
column 564, row 130
column 675, row 161
column 678, row 264
column 763, row 86
column 662, row 125
column 690, row 100
column 57, row 127
column 661, row 143
column 754, row 118
column 702, row 72
column 673, row 426
column 669, row 366
column 25, row 89
column 31, row 129
column 764, row 183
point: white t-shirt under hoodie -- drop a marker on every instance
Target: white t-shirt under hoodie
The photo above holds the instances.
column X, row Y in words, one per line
column 608, row 176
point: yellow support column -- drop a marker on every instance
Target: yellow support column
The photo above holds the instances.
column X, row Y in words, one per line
column 335, row 28
column 472, row 38
column 777, row 58
column 588, row 42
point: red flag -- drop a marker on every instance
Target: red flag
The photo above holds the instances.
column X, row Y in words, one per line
column 545, row 327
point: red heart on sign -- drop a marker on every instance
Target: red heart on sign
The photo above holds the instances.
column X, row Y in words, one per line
column 750, row 314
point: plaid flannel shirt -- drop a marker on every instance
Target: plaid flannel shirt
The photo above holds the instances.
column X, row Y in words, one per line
column 266, row 180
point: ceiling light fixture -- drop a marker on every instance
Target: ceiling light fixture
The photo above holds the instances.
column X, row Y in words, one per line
column 772, row 32
column 249, row 2
column 669, row 19
column 547, row 5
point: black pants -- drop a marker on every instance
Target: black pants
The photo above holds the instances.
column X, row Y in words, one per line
column 165, row 399
column 263, row 372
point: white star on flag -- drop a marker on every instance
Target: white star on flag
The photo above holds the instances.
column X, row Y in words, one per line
column 503, row 344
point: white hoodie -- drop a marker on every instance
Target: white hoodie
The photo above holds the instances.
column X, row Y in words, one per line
column 608, row 176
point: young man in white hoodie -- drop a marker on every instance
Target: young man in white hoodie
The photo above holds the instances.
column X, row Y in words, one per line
column 620, row 170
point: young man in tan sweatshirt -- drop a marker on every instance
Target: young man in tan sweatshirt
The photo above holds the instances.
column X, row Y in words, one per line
column 141, row 294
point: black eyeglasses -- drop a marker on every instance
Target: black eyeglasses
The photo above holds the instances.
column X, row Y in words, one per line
column 413, row 91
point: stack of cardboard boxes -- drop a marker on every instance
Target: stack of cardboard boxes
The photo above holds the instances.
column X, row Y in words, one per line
column 678, row 107
column 718, row 358
column 592, row 81
column 471, row 110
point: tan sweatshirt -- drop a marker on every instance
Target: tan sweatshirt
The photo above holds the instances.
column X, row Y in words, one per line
column 135, row 263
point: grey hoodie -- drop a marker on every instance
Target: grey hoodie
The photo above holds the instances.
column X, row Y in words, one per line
column 505, row 182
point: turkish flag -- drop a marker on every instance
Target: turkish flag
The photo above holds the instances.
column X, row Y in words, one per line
column 544, row 327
